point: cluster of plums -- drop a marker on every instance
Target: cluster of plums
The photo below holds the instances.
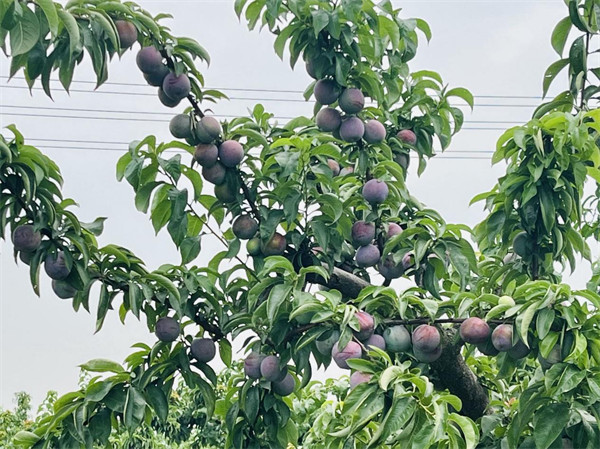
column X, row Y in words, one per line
column 245, row 227
column 167, row 330
column 26, row 241
column 268, row 368
column 172, row 88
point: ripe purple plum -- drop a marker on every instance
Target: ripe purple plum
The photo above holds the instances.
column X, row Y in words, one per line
column 166, row 100
column 352, row 129
column 206, row 154
column 328, row 119
column 374, row 131
column 157, row 77
column 326, row 91
column 358, row 378
column 341, row 356
column 367, row 325
column 375, row 341
column 392, row 230
column 231, row 153
column 26, row 239
column 167, row 329
column 284, row 387
column 474, row 330
column 390, row 269
column 351, row 101
column 127, row 33
column 203, row 349
column 56, row 266
column 208, row 129
column 244, row 227
column 502, row 337
column 426, row 338
column 367, row 256
column 270, row 369
column 346, row 171
column 252, row 365
column 215, row 174
column 63, row 289
column 176, row 87
column 375, row 191
column 363, row 233
column 149, row 60
column 333, row 166
column 407, row 136
column 275, row 246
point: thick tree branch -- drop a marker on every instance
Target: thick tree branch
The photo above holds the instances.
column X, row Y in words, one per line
column 451, row 368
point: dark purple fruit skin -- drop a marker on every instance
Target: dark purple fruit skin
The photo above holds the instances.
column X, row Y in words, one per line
column 363, row 233
column 324, row 346
column 284, row 387
column 26, row 239
column 252, row 365
column 474, row 330
column 393, row 229
column 334, row 167
column 149, row 60
column 214, row 174
column 157, row 77
column 427, row 357
column 358, row 378
column 270, row 370
column 374, row 131
column 63, row 290
column 519, row 350
column 56, row 267
column 502, row 337
column 166, row 100
column 25, row 257
column 367, row 325
column 426, row 338
column 203, row 349
column 176, row 87
column 351, row 101
column 351, row 351
column 127, row 33
column 206, row 155
column 375, row 341
column 375, row 191
column 367, row 256
column 407, row 136
column 231, row 153
column 275, row 246
column 211, row 126
column 167, row 329
column 397, row 339
column 326, row 91
column 244, row 227
column 328, row 119
column 390, row 269
column 352, row 129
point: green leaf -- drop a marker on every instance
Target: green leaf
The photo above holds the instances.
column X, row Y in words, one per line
column 278, row 295
column 103, row 306
column 320, row 20
column 549, row 423
column 551, row 73
column 25, row 34
column 96, row 227
column 72, row 29
column 158, row 401
column 193, row 47
column 25, row 439
column 560, row 35
column 463, row 93
column 102, row 366
column 49, row 9
column 578, row 56
column 468, row 428
column 135, row 406
column 424, row 27
column 225, row 351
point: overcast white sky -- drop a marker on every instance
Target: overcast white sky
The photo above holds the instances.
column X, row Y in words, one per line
column 494, row 48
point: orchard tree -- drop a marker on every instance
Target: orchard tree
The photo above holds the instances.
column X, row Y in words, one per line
column 487, row 349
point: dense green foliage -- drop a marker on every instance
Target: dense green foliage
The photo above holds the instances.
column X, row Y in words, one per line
column 321, row 201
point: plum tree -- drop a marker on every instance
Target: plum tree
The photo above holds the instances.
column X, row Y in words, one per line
column 203, row 349
column 167, row 329
column 26, row 239
column 298, row 191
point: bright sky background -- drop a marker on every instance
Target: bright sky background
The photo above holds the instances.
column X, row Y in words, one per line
column 497, row 49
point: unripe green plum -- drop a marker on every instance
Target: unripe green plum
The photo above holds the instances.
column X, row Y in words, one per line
column 26, row 239
column 328, row 119
column 225, row 193
column 63, row 289
column 231, row 153
column 275, row 246
column 203, row 349
column 341, row 356
column 426, row 338
column 206, row 154
column 403, row 160
column 363, row 233
column 407, row 136
column 390, row 269
column 333, row 166
column 392, row 230
column 244, row 227
column 375, row 191
column 252, row 365
column 367, row 325
column 253, row 246
column 506, row 300
column 176, row 87
column 326, row 341
column 56, row 266
column 167, row 329
column 474, row 330
column 502, row 337
column 358, row 378
column 326, row 91
column 519, row 350
column 127, row 33
column 149, row 60
column 427, row 357
column 397, row 339
column 214, row 174
column 270, row 369
column 284, row 387
column 352, row 129
column 375, row 341
column 166, row 100
column 522, row 245
column 351, row 101
column 181, row 126
column 374, row 131
column 367, row 256
column 157, row 77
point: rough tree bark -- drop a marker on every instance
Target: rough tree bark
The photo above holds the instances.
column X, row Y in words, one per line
column 450, row 368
